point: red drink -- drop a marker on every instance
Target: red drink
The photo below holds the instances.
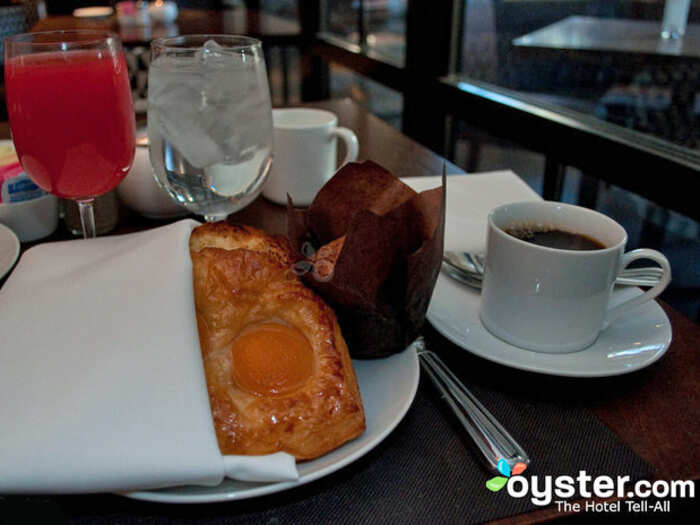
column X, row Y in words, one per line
column 72, row 119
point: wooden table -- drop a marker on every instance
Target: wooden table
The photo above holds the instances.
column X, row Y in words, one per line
column 655, row 411
column 274, row 29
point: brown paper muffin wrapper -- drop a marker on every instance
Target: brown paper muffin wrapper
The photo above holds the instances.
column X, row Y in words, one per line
column 385, row 273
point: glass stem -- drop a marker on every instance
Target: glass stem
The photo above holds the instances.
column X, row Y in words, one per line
column 87, row 218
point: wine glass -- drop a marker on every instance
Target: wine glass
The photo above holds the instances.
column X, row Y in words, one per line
column 209, row 121
column 71, row 114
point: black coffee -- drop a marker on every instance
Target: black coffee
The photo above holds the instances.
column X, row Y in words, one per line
column 553, row 238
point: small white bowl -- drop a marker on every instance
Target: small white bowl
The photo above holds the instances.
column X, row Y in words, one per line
column 140, row 191
column 9, row 249
column 32, row 219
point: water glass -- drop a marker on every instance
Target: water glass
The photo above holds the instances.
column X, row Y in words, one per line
column 209, row 121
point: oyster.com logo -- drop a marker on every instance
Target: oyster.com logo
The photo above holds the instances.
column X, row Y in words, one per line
column 545, row 490
column 497, row 483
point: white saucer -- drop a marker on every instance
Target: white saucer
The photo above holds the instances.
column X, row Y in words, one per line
column 630, row 343
column 9, row 249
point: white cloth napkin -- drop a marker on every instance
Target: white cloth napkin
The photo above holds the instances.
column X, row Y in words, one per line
column 102, row 386
column 470, row 198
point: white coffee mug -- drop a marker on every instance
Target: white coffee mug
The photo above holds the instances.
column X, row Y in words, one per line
column 555, row 300
column 305, row 153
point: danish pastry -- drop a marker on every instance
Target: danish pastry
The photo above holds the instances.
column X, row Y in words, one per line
column 278, row 371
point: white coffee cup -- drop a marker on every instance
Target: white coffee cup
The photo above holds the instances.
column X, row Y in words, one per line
column 305, row 153
column 555, row 300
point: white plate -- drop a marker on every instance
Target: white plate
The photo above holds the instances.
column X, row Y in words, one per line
column 388, row 387
column 9, row 249
column 93, row 12
column 630, row 343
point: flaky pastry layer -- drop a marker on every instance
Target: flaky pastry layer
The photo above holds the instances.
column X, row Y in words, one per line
column 243, row 277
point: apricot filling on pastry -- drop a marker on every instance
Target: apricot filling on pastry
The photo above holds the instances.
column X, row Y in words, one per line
column 271, row 358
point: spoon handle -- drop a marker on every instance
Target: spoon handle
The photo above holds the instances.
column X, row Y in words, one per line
column 469, row 269
column 494, row 442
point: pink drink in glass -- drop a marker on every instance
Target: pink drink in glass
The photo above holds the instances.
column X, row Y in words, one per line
column 72, row 119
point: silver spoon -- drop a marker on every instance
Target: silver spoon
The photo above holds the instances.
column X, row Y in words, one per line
column 469, row 269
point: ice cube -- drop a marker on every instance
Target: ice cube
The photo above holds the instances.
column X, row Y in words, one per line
column 214, row 112
column 247, row 122
column 240, row 108
column 176, row 107
column 209, row 50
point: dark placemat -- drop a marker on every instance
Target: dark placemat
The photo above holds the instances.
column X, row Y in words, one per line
column 426, row 471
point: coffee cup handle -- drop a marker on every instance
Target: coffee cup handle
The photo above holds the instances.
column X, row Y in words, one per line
column 352, row 146
column 651, row 293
